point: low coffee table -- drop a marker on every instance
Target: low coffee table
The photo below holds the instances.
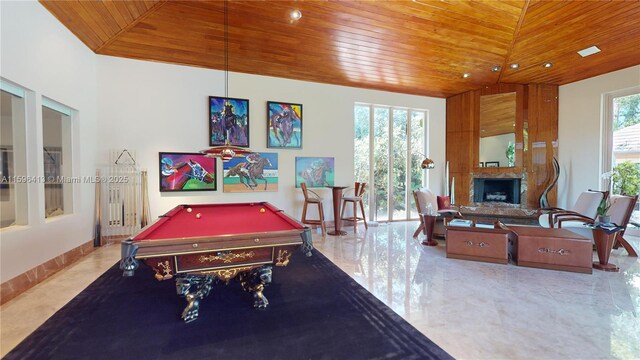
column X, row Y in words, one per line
column 556, row 249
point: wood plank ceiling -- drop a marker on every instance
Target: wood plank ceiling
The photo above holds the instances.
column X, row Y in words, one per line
column 418, row 47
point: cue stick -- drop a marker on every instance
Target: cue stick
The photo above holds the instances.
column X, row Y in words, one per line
column 97, row 240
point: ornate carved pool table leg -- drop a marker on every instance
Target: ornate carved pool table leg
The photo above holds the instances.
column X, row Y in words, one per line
column 202, row 285
column 254, row 281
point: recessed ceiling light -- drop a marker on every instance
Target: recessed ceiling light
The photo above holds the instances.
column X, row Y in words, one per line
column 547, row 65
column 514, row 66
column 295, row 15
column 496, row 68
column 466, row 75
column 589, row 51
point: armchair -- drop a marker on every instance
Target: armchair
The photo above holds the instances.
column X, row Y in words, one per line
column 620, row 212
column 586, row 206
column 423, row 197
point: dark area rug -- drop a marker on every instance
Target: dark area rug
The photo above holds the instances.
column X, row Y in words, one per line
column 315, row 311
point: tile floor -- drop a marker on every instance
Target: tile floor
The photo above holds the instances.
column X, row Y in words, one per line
column 473, row 310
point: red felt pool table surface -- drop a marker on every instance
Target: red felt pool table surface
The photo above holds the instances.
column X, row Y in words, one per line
column 217, row 220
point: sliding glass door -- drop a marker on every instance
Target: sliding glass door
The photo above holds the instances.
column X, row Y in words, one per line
column 389, row 146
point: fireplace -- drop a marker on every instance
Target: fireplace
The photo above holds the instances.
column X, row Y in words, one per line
column 496, row 190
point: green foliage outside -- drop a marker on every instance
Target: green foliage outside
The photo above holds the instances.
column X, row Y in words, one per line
column 626, row 111
column 626, row 178
column 380, row 185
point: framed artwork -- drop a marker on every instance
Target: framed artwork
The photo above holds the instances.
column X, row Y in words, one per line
column 228, row 120
column 285, row 125
column 492, row 164
column 187, row 172
column 481, row 164
column 315, row 171
column 255, row 172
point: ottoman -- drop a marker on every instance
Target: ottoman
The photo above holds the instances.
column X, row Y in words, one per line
column 556, row 249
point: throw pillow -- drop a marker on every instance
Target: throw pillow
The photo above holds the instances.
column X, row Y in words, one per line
column 444, row 202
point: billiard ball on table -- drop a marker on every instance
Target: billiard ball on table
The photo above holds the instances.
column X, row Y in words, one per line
column 198, row 216
column 262, row 210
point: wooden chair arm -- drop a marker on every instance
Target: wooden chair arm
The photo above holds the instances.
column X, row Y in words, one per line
column 582, row 218
column 549, row 209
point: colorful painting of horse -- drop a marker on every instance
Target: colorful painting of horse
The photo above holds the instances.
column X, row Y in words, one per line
column 187, row 172
column 315, row 171
column 285, row 125
column 254, row 172
column 228, row 120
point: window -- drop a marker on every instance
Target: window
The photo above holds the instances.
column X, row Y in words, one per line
column 388, row 148
column 12, row 156
column 56, row 146
column 621, row 151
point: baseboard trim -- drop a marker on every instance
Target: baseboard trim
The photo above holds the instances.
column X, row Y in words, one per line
column 25, row 281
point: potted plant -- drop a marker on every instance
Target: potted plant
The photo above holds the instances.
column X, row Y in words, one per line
column 602, row 211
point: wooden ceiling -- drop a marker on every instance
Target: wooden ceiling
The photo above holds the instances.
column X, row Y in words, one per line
column 418, row 47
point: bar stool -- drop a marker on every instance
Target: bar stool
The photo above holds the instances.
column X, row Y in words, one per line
column 356, row 199
column 311, row 197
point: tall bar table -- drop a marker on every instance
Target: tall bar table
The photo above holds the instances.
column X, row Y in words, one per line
column 337, row 197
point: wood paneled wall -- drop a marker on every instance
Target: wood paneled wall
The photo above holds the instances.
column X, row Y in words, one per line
column 536, row 139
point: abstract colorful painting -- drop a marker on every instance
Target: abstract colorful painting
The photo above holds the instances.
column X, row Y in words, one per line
column 187, row 172
column 315, row 171
column 254, row 172
column 228, row 120
column 284, row 121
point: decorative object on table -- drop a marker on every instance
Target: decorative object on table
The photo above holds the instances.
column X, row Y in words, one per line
column 187, row 172
column 284, row 121
column 492, row 164
column 460, row 222
column 544, row 201
column 228, row 121
column 255, row 172
column 315, row 171
column 603, row 211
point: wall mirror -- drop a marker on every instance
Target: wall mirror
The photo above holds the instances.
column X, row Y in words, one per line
column 498, row 130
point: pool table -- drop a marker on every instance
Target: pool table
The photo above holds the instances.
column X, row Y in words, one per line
column 200, row 245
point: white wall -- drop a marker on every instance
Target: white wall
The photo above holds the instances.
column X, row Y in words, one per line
column 494, row 148
column 151, row 107
column 580, row 130
column 41, row 55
